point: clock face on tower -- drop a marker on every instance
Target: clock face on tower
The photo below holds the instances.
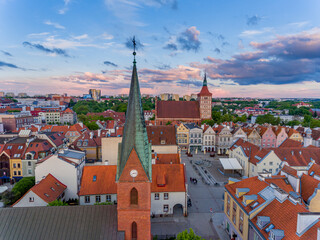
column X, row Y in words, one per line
column 133, row 173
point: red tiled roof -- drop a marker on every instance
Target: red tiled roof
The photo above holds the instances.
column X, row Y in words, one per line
column 68, row 110
column 45, row 187
column 291, row 131
column 204, row 91
column 255, row 186
column 156, row 134
column 314, row 168
column 280, row 182
column 284, row 217
column 315, row 134
column 105, row 180
column 298, row 157
column 46, row 127
column 308, row 186
column 61, row 129
column 178, row 109
column 168, row 158
column 290, row 171
column 289, row 143
column 48, row 189
column 173, row 175
column 37, row 146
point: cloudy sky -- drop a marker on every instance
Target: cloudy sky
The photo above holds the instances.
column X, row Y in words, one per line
column 248, row 48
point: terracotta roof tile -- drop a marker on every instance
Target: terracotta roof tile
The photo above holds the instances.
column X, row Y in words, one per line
column 298, row 157
column 289, row 170
column 168, row 158
column 178, row 109
column 173, row 175
column 48, row 189
column 289, row 143
column 308, row 186
column 284, row 217
column 315, row 168
column 162, row 135
column 104, row 183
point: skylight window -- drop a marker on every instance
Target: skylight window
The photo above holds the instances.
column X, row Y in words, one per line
column 52, row 189
column 46, row 194
column 271, row 226
column 94, row 178
column 254, row 205
column 311, row 174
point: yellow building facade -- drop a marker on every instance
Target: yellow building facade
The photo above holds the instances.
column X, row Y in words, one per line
column 16, row 168
column 183, row 136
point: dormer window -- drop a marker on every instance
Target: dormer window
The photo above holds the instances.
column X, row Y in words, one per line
column 20, row 147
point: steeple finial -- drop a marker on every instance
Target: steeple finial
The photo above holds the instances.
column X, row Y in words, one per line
column 134, row 49
column 205, row 79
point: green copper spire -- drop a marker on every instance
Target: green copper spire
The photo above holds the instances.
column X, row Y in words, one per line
column 135, row 132
column 205, row 79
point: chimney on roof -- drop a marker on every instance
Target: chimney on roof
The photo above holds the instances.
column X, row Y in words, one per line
column 305, row 221
column 300, row 152
column 81, row 124
column 91, row 135
column 99, row 132
column 292, row 152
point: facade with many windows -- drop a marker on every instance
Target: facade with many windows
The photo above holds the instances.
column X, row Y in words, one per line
column 183, row 136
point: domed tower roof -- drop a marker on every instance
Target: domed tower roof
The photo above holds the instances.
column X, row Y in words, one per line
column 204, row 90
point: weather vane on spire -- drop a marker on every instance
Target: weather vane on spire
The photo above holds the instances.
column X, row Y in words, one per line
column 134, row 49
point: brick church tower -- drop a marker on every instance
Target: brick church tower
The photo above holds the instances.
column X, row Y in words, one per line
column 205, row 101
column 134, row 170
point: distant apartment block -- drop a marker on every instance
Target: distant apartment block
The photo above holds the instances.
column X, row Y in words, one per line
column 95, row 94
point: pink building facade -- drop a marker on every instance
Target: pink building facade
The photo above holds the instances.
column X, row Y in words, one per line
column 268, row 138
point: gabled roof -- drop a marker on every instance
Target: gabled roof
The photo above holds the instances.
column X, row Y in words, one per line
column 68, row 110
column 315, row 135
column 172, row 158
column 255, row 186
column 315, row 168
column 178, row 109
column 289, row 170
column 104, row 180
column 60, row 129
column 298, row 156
column 48, row 189
column 164, row 134
column 308, row 186
column 289, row 143
column 105, row 183
column 37, row 146
column 292, row 131
column 284, row 217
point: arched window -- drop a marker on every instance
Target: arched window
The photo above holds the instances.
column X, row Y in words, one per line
column 134, row 196
column 134, row 231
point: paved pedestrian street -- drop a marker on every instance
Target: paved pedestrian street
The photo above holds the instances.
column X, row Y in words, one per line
column 204, row 197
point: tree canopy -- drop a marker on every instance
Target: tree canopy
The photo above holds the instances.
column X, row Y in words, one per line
column 185, row 235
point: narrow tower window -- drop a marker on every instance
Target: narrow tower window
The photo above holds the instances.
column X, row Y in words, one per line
column 134, row 196
column 134, row 231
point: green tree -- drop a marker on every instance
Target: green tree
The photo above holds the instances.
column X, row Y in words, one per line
column 216, row 117
column 208, row 121
column 185, row 235
column 92, row 125
column 268, row 118
column 57, row 203
column 21, row 187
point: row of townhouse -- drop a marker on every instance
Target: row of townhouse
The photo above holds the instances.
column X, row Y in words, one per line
column 96, row 182
column 67, row 116
column 274, row 207
column 219, row 138
column 254, row 159
column 19, row 154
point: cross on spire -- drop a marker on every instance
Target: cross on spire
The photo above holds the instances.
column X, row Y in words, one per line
column 134, row 49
